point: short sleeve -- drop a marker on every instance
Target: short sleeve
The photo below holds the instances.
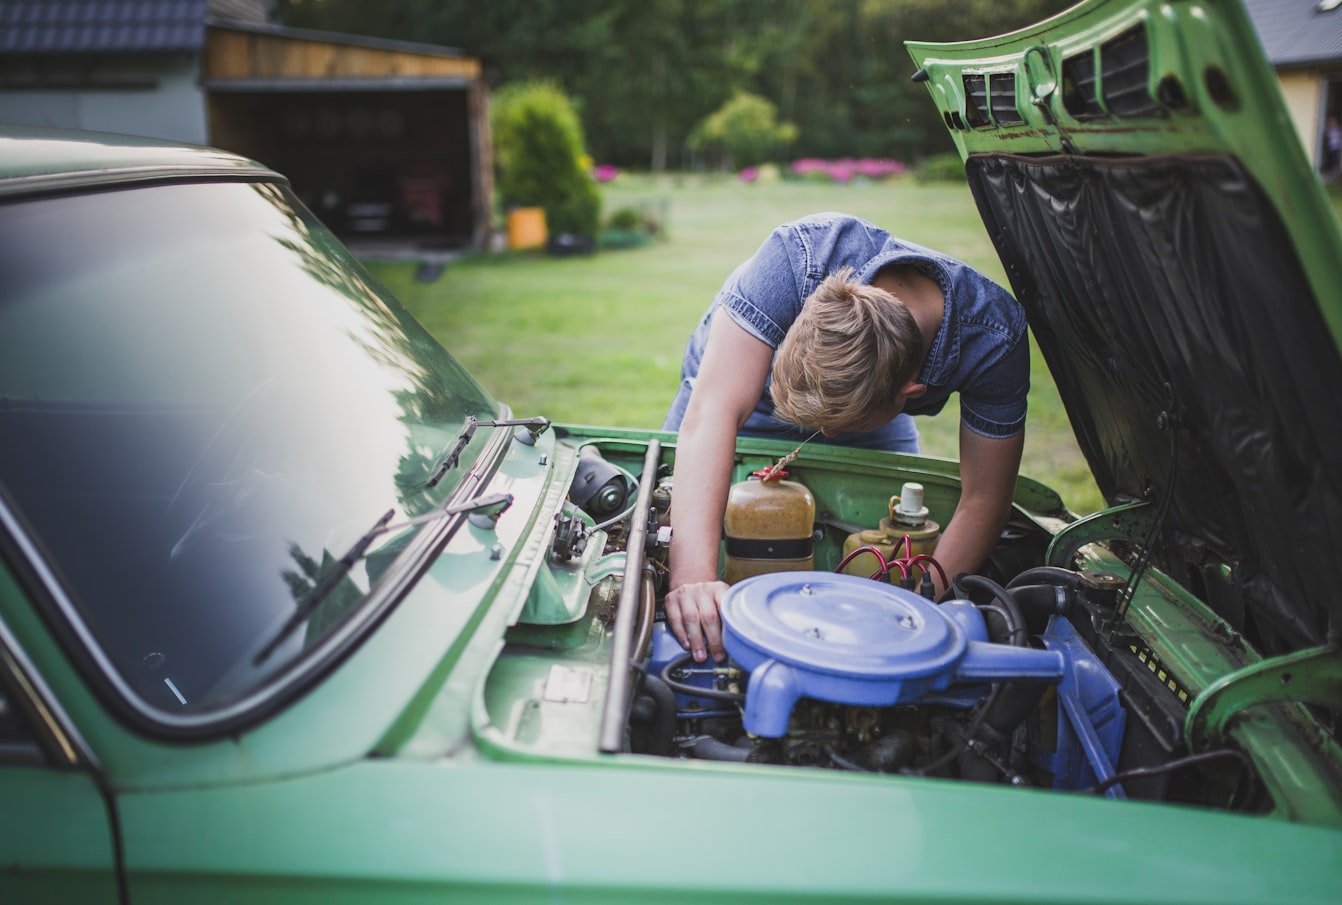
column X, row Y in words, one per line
column 766, row 292
column 993, row 403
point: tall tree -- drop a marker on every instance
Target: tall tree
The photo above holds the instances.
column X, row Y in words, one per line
column 643, row 73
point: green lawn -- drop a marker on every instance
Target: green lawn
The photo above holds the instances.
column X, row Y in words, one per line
column 598, row 340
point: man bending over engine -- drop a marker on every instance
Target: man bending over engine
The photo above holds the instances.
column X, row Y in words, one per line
column 836, row 326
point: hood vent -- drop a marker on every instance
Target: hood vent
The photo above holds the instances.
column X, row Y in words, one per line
column 976, row 101
column 1002, row 96
column 1124, row 79
column 1125, row 65
column 1079, row 96
column 991, row 100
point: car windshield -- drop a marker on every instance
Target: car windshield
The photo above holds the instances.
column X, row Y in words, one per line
column 204, row 403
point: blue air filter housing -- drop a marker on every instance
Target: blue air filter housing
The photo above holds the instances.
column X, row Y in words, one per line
column 850, row 640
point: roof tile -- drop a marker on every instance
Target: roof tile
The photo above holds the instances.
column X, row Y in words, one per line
column 102, row 26
column 1297, row 32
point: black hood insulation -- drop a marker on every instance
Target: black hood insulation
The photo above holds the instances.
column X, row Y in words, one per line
column 1165, row 292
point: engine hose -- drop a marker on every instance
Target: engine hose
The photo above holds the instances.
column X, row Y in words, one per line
column 663, row 717
column 706, row 747
column 1017, row 632
column 1046, row 575
column 1039, row 602
column 1016, row 702
column 695, row 691
column 1176, row 764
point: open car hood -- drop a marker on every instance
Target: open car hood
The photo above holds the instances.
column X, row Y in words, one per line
column 1179, row 262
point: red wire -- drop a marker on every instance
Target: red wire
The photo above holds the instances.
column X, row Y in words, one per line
column 924, row 558
column 875, row 551
column 886, row 564
column 903, row 569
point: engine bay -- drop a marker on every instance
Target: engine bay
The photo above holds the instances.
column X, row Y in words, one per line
column 1025, row 674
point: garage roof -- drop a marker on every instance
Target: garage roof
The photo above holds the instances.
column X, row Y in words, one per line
column 101, row 26
column 1298, row 32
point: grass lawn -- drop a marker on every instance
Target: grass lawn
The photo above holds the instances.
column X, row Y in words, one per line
column 598, row 340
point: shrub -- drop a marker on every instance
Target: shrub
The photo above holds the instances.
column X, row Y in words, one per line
column 540, row 158
column 745, row 130
column 942, row 168
column 625, row 218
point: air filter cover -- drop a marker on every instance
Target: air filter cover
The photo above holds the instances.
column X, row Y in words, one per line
column 849, row 640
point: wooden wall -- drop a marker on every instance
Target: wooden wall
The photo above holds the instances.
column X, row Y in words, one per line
column 252, row 78
column 233, row 54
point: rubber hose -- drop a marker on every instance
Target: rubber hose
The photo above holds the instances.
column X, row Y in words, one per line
column 1013, row 705
column 708, row 748
column 1019, row 634
column 1038, row 602
column 664, row 719
column 1046, row 575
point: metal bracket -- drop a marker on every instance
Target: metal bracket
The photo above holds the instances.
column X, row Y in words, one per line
column 1311, row 676
column 1130, row 522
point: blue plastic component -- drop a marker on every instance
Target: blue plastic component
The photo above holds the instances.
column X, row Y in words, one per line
column 849, row 640
column 1091, row 718
column 665, row 649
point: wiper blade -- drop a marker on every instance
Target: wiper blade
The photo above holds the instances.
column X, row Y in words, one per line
column 490, row 507
column 535, row 427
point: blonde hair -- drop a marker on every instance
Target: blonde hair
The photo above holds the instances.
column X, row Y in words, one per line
column 851, row 351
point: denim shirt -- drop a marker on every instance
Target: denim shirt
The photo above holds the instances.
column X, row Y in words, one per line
column 980, row 350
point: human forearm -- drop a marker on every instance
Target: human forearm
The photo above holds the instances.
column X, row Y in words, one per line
column 699, row 496
column 968, row 539
column 987, row 483
column 731, row 377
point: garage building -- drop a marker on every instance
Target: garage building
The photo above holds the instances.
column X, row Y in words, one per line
column 380, row 137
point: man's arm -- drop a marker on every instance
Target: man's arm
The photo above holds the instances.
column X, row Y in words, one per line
column 730, row 381
column 988, row 469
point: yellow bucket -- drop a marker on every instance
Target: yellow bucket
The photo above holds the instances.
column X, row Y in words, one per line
column 526, row 228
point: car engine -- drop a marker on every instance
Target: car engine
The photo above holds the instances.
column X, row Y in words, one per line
column 1022, row 675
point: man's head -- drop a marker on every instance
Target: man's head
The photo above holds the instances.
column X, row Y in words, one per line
column 850, row 359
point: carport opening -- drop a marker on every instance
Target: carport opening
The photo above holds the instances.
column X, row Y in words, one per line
column 370, row 164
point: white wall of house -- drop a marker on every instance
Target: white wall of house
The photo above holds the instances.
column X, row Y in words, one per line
column 1303, row 91
column 157, row 96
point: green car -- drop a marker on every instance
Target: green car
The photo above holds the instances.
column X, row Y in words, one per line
column 292, row 610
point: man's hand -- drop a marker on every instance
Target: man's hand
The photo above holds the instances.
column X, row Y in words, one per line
column 692, row 614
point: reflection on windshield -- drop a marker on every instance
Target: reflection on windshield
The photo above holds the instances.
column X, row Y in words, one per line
column 204, row 401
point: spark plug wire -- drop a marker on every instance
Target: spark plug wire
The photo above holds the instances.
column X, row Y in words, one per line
column 905, row 565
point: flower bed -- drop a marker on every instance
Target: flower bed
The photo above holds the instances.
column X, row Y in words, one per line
column 847, row 169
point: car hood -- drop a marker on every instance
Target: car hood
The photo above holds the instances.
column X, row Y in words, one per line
column 1138, row 173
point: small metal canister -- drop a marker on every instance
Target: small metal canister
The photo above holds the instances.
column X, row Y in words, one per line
column 768, row 527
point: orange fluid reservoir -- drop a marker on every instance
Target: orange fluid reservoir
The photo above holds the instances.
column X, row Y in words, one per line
column 768, row 527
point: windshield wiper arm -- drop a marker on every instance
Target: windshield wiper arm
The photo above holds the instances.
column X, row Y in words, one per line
column 490, row 506
column 535, row 427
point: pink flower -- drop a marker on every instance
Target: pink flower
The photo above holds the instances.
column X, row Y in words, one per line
column 845, row 169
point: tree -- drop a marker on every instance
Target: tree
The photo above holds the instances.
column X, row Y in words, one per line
column 745, row 130
column 642, row 75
